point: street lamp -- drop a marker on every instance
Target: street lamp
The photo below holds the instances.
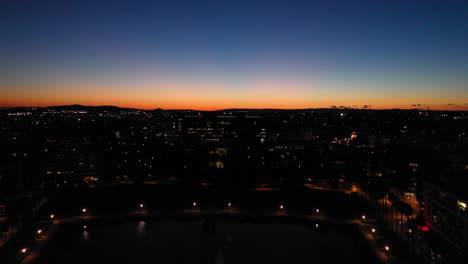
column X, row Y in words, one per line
column 194, row 204
column 84, row 210
column 373, row 230
column 39, row 231
column 317, row 210
column 23, row 250
column 141, row 205
column 52, row 216
column 281, row 207
column 363, row 218
column 387, row 248
column 229, row 204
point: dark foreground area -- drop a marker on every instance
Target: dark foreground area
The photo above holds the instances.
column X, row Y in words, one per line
column 183, row 242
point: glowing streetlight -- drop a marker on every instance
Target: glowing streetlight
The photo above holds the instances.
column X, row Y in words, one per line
column 194, row 204
column 39, row 231
column 317, row 210
column 84, row 227
column 229, row 204
column 387, row 248
column 52, row 216
column 373, row 230
column 281, row 207
column 363, row 217
column 316, row 225
column 141, row 205
column 83, row 210
column 23, row 250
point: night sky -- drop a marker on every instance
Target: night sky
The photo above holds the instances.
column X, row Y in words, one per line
column 234, row 54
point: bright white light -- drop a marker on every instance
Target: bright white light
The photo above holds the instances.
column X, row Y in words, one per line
column 229, row 204
column 281, row 207
column 363, row 217
column 317, row 210
column 373, row 230
column 387, row 248
column 39, row 231
column 52, row 216
column 24, row 250
column 194, row 204
column 84, row 210
column 141, row 205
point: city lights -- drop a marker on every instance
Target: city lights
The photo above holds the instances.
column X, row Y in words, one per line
column 262, row 107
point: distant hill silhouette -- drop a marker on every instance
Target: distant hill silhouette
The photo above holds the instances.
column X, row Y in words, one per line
column 111, row 108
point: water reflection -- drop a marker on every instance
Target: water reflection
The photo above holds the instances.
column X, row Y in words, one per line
column 219, row 258
column 85, row 235
column 141, row 227
column 182, row 242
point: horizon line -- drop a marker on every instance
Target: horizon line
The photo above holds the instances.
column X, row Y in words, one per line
column 235, row 108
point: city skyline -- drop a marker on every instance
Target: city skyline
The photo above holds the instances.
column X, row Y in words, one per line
column 234, row 131
column 216, row 56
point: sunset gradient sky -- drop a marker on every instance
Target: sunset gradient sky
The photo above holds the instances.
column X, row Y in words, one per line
column 210, row 55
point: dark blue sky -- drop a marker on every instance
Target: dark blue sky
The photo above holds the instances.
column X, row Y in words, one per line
column 321, row 51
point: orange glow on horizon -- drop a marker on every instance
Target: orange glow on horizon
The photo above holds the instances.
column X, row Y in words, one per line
column 218, row 96
column 217, row 105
